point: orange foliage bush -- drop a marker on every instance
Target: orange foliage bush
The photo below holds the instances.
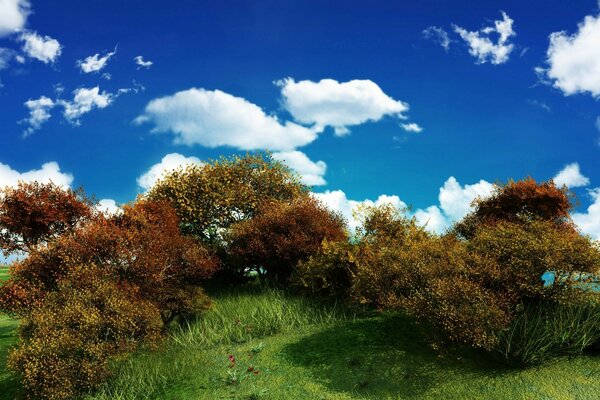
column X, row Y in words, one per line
column 519, row 201
column 66, row 344
column 102, row 289
column 283, row 234
column 211, row 197
column 31, row 214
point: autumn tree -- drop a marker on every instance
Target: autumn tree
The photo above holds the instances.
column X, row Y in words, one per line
column 33, row 213
column 282, row 234
column 108, row 286
column 517, row 201
column 210, row 198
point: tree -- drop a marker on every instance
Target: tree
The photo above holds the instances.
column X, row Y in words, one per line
column 519, row 201
column 101, row 290
column 212, row 197
column 282, row 234
column 31, row 214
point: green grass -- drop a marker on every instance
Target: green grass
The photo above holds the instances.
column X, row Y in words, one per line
column 3, row 273
column 305, row 350
column 9, row 385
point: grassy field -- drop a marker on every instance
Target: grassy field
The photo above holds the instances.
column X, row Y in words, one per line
column 8, row 382
column 287, row 347
column 306, row 351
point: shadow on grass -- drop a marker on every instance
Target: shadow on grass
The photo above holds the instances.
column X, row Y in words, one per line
column 381, row 357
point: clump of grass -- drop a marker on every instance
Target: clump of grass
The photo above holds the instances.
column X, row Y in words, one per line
column 236, row 317
column 543, row 331
column 239, row 316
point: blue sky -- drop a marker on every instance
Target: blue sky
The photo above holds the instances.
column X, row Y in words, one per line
column 421, row 103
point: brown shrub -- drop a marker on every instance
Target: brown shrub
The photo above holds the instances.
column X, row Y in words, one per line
column 283, row 234
column 66, row 343
column 31, row 214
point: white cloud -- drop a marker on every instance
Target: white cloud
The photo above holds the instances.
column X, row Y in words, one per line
column 571, row 176
column 338, row 104
column 84, row 101
column 337, row 201
column 108, row 207
column 6, row 55
column 412, row 127
column 432, row 219
column 39, row 113
column 481, row 45
column 95, row 63
column 574, row 60
column 49, row 172
column 438, row 35
column 213, row 118
column 42, row 48
column 455, row 200
column 311, row 173
column 589, row 221
column 141, row 63
column 167, row 164
column 13, row 16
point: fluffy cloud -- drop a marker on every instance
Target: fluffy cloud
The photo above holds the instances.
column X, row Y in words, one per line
column 39, row 113
column 13, row 16
column 438, row 35
column 589, row 221
column 139, row 61
column 42, row 48
column 432, row 219
column 168, row 163
column 108, row 207
column 337, row 201
column 95, row 63
column 84, row 101
column 481, row 45
column 311, row 173
column 571, row 177
column 49, row 172
column 338, row 104
column 412, row 127
column 455, row 200
column 574, row 60
column 213, row 118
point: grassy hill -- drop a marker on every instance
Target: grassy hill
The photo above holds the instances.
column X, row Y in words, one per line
column 285, row 347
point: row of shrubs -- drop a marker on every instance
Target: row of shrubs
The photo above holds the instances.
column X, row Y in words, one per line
column 96, row 287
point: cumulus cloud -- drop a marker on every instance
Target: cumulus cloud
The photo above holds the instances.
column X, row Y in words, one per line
column 42, row 48
column 432, row 219
column 39, row 113
column 589, row 221
column 168, row 163
column 13, row 16
column 84, row 101
column 95, row 63
column 438, row 35
column 481, row 44
column 571, row 177
column 337, row 201
column 574, row 60
column 213, row 118
column 141, row 63
column 311, row 173
column 48, row 172
column 412, row 127
column 338, row 104
column 108, row 207
column 455, row 200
